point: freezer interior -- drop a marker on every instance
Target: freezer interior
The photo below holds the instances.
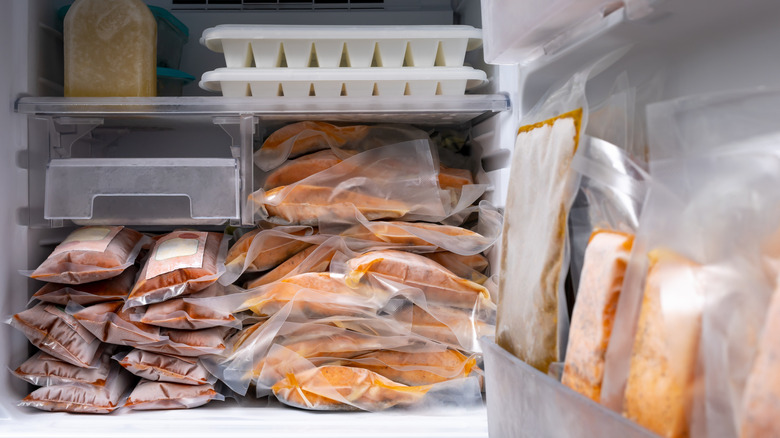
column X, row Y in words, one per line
column 688, row 47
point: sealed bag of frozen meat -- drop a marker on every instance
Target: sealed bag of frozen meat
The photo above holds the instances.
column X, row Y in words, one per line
column 91, row 254
column 165, row 368
column 149, row 395
column 45, row 370
column 113, row 289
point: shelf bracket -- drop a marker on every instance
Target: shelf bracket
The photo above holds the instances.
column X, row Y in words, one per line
column 65, row 131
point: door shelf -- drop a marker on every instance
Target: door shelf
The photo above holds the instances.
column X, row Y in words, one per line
column 424, row 110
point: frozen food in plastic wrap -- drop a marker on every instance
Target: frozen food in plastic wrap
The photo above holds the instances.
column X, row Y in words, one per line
column 165, row 368
column 180, row 263
column 415, row 368
column 113, row 289
column 45, row 370
column 191, row 343
column 309, row 136
column 112, row 324
column 57, row 333
column 606, row 258
column 188, row 313
column 456, row 328
column 659, row 388
column 288, row 266
column 89, row 399
column 265, row 248
column 91, row 254
column 386, row 182
column 470, row 267
column 334, row 388
column 165, row 395
column 439, row 285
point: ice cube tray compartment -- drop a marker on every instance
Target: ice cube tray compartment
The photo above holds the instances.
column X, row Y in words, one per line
column 446, row 81
column 272, row 46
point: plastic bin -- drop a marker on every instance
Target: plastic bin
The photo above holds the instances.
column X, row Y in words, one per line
column 158, row 191
column 523, row 402
column 170, row 81
column 172, row 34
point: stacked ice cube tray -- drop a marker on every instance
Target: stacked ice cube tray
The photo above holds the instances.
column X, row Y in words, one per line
column 330, row 61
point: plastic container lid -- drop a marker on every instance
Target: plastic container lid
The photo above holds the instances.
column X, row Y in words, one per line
column 176, row 75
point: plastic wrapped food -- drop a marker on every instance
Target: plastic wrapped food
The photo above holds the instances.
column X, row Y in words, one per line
column 386, row 182
column 191, row 343
column 263, row 249
column 181, row 263
column 45, row 370
column 188, row 313
column 300, row 168
column 164, row 395
column 291, row 264
column 470, row 267
column 457, row 328
column 415, row 368
column 334, row 388
column 165, row 368
column 437, row 283
column 57, row 333
column 113, row 289
column 91, row 254
column 89, row 399
column 113, row 325
column 306, row 137
column 660, row 382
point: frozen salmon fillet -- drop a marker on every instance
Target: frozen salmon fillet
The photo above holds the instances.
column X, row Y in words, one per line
column 437, row 283
column 603, row 269
column 661, row 377
column 91, row 254
column 344, row 388
column 452, row 178
column 274, row 249
column 304, row 204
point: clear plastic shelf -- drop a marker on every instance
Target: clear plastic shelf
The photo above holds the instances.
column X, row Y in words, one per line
column 148, row 191
column 523, row 402
column 421, row 110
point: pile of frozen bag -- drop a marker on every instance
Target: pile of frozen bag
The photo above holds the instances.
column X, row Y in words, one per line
column 350, row 293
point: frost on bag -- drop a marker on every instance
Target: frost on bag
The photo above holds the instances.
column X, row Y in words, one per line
column 188, row 313
column 386, row 182
column 113, row 289
column 78, row 398
column 306, row 137
column 615, row 189
column 165, row 395
column 180, row 263
column 45, row 370
column 57, row 333
column 164, row 368
column 91, row 254
column 265, row 248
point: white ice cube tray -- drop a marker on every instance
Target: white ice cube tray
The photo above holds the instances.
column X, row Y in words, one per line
column 269, row 46
column 359, row 82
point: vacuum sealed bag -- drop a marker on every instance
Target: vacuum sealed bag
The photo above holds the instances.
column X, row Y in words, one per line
column 306, row 137
column 180, row 263
column 308, row 260
column 91, row 254
column 57, row 333
column 188, row 313
column 164, row 368
column 45, row 370
column 113, row 289
column 191, row 343
column 110, row 323
column 78, row 398
column 164, row 395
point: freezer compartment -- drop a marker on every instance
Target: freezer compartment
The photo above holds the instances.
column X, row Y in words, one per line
column 142, row 191
column 521, row 401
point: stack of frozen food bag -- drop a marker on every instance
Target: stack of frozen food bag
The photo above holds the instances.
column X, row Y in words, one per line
column 110, row 289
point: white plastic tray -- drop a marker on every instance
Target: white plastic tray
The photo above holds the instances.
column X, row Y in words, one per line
column 359, row 82
column 268, row 46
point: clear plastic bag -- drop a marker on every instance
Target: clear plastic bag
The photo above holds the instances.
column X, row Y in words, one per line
column 165, row 395
column 386, row 182
column 77, row 398
column 190, row 343
column 532, row 313
column 57, row 333
column 306, row 137
column 180, row 263
column 91, row 254
column 110, row 323
column 187, row 313
column 113, row 289
column 45, row 370
column 164, row 368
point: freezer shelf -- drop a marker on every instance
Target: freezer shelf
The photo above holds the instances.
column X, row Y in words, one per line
column 423, row 110
column 227, row 419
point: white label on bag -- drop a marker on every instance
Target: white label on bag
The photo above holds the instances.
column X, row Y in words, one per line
column 88, row 239
column 177, row 250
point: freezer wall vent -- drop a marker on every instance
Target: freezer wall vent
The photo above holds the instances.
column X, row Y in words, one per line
column 281, row 4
